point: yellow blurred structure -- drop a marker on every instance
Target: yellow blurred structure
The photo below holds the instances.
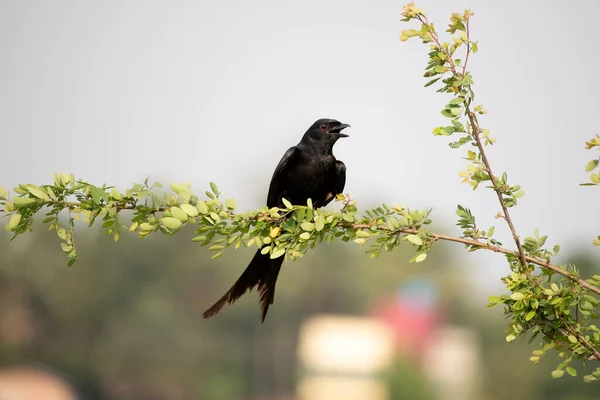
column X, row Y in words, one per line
column 341, row 358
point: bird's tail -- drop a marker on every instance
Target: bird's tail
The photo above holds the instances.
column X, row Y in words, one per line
column 261, row 271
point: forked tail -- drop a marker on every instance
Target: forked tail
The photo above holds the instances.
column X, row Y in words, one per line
column 262, row 271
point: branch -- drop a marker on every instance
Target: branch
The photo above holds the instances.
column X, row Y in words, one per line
column 475, row 130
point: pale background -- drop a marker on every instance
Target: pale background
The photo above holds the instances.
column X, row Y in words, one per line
column 195, row 90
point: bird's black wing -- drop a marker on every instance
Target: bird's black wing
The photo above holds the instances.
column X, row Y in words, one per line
column 337, row 183
column 277, row 187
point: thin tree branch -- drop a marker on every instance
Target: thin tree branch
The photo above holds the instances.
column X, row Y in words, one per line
column 475, row 132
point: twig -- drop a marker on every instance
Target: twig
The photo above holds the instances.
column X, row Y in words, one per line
column 475, row 131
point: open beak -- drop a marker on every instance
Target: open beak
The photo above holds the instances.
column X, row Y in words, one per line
column 338, row 129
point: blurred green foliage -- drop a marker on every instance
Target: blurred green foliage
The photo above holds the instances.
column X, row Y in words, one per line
column 128, row 320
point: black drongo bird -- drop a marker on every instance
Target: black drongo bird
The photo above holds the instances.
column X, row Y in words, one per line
column 307, row 170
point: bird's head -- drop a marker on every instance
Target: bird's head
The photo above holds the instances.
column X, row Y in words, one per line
column 327, row 130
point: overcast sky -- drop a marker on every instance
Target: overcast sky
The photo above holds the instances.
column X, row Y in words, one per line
column 114, row 91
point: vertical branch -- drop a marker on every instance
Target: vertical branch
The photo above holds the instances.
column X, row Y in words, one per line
column 475, row 130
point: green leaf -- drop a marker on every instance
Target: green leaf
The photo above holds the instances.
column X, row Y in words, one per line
column 171, row 223
column 510, row 338
column 591, row 165
column 286, row 203
column 278, row 253
column 557, row 373
column 308, row 226
column 61, row 232
column 116, row 194
column 2, row 192
column 23, row 201
column 319, row 223
column 145, row 226
column 431, row 82
column 202, row 207
column 214, row 188
column 421, row 257
column 456, row 111
column 189, row 210
column 230, row 204
column 571, row 371
column 530, row 315
column 13, row 222
column 363, row 234
column 66, row 248
column 517, row 296
column 38, row 192
column 572, row 339
column 305, row 235
column 447, row 113
column 595, row 178
column 179, row 214
column 414, row 239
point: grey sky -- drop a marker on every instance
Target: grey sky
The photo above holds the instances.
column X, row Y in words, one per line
column 196, row 90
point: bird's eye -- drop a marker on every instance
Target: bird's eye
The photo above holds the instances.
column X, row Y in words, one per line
column 323, row 126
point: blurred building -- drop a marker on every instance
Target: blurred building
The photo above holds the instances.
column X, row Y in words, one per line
column 341, row 358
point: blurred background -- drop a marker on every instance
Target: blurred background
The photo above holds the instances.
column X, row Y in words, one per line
column 217, row 91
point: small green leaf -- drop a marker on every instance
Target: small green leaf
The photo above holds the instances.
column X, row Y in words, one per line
column 230, row 204
column 530, row 315
column 572, row 339
column 145, row 226
column 308, row 226
column 557, row 373
column 13, row 222
column 363, row 234
column 217, row 255
column 517, row 296
column 66, row 248
column 595, row 178
column 456, row 111
column 189, row 210
column 38, row 192
column 214, row 188
column 202, row 207
column 171, row 223
column 61, row 232
column 305, row 235
column 2, row 192
column 571, row 371
column 421, row 257
column 431, row 82
column 510, row 338
column 278, row 253
column 116, row 194
column 23, row 201
column 179, row 214
column 414, row 239
column 591, row 165
column 286, row 203
column 319, row 223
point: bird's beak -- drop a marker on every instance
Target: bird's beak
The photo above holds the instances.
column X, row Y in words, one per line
column 338, row 129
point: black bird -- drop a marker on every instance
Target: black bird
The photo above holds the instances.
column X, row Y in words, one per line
column 307, row 170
